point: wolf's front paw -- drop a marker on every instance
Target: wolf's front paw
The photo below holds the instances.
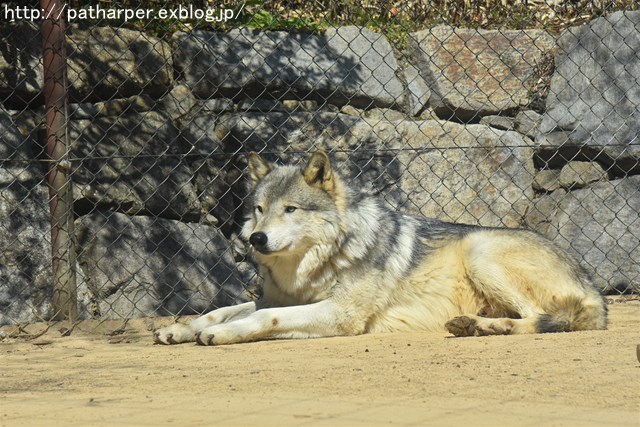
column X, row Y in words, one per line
column 205, row 338
column 175, row 334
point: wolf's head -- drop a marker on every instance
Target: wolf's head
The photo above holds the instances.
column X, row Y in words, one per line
column 292, row 208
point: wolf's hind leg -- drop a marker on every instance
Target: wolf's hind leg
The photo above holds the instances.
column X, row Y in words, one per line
column 566, row 314
column 471, row 325
column 187, row 332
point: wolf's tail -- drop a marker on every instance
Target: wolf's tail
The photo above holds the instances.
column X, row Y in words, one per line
column 574, row 314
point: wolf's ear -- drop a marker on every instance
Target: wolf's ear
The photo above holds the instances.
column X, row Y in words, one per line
column 318, row 171
column 258, row 168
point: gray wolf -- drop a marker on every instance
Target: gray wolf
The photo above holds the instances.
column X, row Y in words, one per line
column 336, row 261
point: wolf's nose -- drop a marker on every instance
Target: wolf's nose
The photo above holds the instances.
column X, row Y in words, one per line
column 258, row 239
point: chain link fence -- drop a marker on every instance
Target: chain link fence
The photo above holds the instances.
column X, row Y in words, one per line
column 123, row 138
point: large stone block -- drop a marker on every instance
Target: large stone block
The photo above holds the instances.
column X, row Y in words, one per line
column 600, row 225
column 142, row 266
column 593, row 106
column 474, row 73
column 347, row 65
column 472, row 174
column 20, row 63
column 25, row 249
column 133, row 164
column 102, row 63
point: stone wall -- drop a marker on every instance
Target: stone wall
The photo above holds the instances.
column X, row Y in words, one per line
column 445, row 128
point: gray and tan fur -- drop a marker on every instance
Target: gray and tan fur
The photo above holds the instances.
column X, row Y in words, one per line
column 338, row 262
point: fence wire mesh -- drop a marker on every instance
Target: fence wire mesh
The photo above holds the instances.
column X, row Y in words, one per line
column 477, row 112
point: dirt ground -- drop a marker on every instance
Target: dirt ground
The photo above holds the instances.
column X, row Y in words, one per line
column 110, row 373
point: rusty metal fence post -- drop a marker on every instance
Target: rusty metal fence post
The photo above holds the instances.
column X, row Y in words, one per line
column 60, row 190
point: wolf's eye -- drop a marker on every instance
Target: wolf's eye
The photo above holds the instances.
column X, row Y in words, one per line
column 259, row 209
column 290, row 209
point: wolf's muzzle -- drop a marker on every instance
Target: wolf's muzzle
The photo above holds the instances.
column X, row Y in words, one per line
column 258, row 240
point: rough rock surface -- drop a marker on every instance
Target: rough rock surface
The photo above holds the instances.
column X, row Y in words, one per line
column 417, row 89
column 102, row 62
column 178, row 103
column 142, row 266
column 600, row 224
column 547, row 180
column 114, row 107
column 348, row 65
column 487, row 182
column 577, row 174
column 20, row 64
column 498, row 122
column 474, row 73
column 527, row 123
column 132, row 164
column 25, row 251
column 593, row 107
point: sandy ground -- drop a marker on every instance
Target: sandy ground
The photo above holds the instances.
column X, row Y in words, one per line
column 111, row 374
